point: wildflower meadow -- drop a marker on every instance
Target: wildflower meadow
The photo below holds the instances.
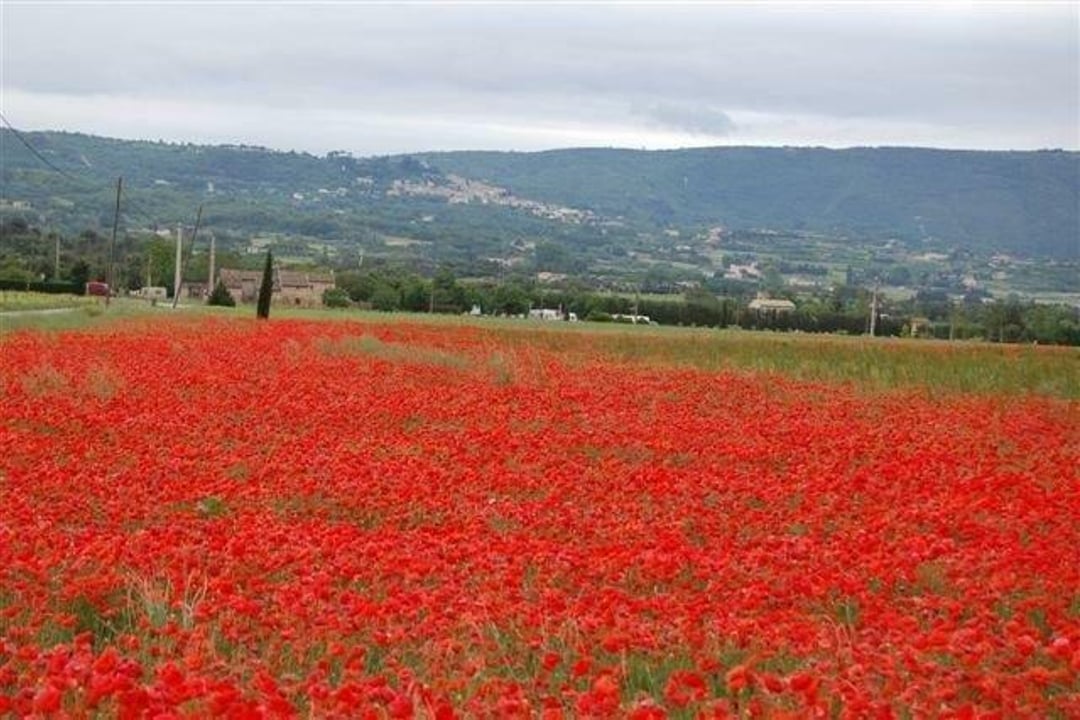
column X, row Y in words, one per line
column 387, row 518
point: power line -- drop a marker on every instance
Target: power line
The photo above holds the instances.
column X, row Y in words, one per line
column 34, row 150
column 131, row 206
column 120, row 193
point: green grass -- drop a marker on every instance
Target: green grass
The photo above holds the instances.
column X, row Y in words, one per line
column 20, row 301
column 93, row 313
column 392, row 352
column 872, row 363
column 877, row 364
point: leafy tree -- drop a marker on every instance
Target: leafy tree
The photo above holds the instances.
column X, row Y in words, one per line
column 701, row 307
column 12, row 269
column 360, row 286
column 80, row 274
column 335, row 298
column 415, row 294
column 449, row 296
column 160, row 261
column 386, row 298
column 266, row 289
column 221, row 296
column 510, row 299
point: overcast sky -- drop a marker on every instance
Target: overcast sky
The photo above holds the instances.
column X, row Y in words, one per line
column 379, row 78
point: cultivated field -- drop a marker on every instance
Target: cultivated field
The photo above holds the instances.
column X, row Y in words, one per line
column 205, row 515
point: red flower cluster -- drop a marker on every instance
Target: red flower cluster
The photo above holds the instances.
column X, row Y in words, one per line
column 343, row 519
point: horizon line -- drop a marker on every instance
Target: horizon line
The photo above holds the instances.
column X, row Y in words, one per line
column 284, row 150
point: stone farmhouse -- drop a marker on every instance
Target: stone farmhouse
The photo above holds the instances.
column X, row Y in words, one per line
column 290, row 287
column 769, row 306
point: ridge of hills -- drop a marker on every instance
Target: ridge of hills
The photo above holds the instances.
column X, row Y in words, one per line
column 1020, row 202
column 587, row 207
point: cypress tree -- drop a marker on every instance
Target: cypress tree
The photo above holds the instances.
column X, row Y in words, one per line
column 262, row 309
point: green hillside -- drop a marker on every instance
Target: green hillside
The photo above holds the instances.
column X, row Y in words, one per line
column 1023, row 202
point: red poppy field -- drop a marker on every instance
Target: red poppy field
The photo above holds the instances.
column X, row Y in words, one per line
column 370, row 519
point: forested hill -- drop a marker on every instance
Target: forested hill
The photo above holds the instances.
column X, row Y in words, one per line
column 1026, row 202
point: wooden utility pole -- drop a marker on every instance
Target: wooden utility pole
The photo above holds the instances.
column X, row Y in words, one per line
column 213, row 249
column 110, row 271
column 181, row 265
column 179, row 260
column 873, row 310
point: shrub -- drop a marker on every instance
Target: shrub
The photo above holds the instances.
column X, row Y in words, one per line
column 221, row 296
column 335, row 298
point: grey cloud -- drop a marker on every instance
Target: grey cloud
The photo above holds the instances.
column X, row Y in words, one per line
column 693, row 119
column 1006, row 72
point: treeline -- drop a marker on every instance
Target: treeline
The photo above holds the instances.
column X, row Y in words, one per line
column 44, row 286
column 29, row 260
column 46, row 261
column 845, row 310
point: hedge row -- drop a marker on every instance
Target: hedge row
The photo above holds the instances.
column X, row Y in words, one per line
column 53, row 288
